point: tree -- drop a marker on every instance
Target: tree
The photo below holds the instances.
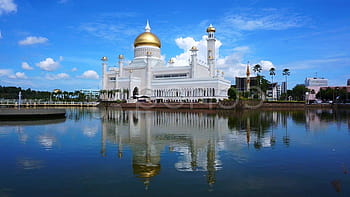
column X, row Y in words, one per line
column 298, row 92
column 135, row 92
column 272, row 73
column 286, row 73
column 257, row 69
column 232, row 93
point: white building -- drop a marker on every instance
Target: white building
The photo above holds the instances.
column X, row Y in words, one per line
column 314, row 81
column 314, row 84
column 148, row 76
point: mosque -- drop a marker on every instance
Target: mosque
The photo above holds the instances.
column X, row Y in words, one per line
column 149, row 78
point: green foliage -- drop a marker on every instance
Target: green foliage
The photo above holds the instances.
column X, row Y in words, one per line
column 286, row 72
column 333, row 94
column 135, row 92
column 298, row 92
column 12, row 93
column 232, row 93
column 257, row 69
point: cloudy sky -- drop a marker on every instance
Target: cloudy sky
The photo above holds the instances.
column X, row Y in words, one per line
column 59, row 43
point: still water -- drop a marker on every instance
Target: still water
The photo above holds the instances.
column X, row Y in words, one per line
column 98, row 152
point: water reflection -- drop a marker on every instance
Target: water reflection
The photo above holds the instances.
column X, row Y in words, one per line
column 241, row 152
column 29, row 164
column 198, row 137
column 46, row 141
column 195, row 136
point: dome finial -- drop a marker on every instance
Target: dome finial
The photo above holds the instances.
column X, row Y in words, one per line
column 147, row 28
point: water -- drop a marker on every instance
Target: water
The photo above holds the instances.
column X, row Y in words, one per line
column 177, row 153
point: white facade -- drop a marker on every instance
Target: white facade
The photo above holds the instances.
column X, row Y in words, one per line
column 314, row 81
column 152, row 78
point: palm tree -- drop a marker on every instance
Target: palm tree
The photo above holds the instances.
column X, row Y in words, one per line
column 257, row 69
column 286, row 73
column 272, row 73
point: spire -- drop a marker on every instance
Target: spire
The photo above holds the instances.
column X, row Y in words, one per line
column 248, row 71
column 147, row 28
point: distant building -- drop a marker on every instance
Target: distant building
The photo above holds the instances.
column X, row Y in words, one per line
column 279, row 91
column 91, row 93
column 348, row 84
column 314, row 84
column 272, row 92
column 284, row 87
column 241, row 83
column 314, row 81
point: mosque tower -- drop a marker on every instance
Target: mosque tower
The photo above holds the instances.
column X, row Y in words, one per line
column 211, row 49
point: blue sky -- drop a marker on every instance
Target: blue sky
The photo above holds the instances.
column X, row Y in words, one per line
column 59, row 43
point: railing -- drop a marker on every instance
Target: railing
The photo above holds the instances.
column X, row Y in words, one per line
column 27, row 103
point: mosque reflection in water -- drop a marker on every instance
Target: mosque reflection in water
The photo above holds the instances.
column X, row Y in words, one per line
column 200, row 136
column 194, row 135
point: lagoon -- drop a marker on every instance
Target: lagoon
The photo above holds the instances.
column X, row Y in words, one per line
column 100, row 152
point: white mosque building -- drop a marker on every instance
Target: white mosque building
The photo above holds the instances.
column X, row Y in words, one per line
column 148, row 77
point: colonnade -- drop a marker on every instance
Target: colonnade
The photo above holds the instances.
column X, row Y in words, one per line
column 184, row 92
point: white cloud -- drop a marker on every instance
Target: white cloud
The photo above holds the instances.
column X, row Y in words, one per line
column 48, row 64
column 5, row 72
column 74, row 69
column 57, row 76
column 7, row 6
column 89, row 74
column 21, row 75
column 187, row 43
column 269, row 20
column 0, row 35
column 26, row 66
column 232, row 65
column 30, row 40
column 266, row 65
column 18, row 75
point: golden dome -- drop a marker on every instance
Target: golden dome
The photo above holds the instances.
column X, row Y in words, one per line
column 145, row 171
column 211, row 29
column 147, row 39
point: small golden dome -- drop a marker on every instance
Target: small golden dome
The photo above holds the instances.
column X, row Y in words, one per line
column 121, row 56
column 194, row 48
column 104, row 58
column 211, row 29
column 147, row 39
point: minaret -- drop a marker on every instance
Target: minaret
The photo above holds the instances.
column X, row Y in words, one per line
column 248, row 77
column 193, row 61
column 104, row 72
column 121, row 58
column 148, row 87
column 211, row 50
